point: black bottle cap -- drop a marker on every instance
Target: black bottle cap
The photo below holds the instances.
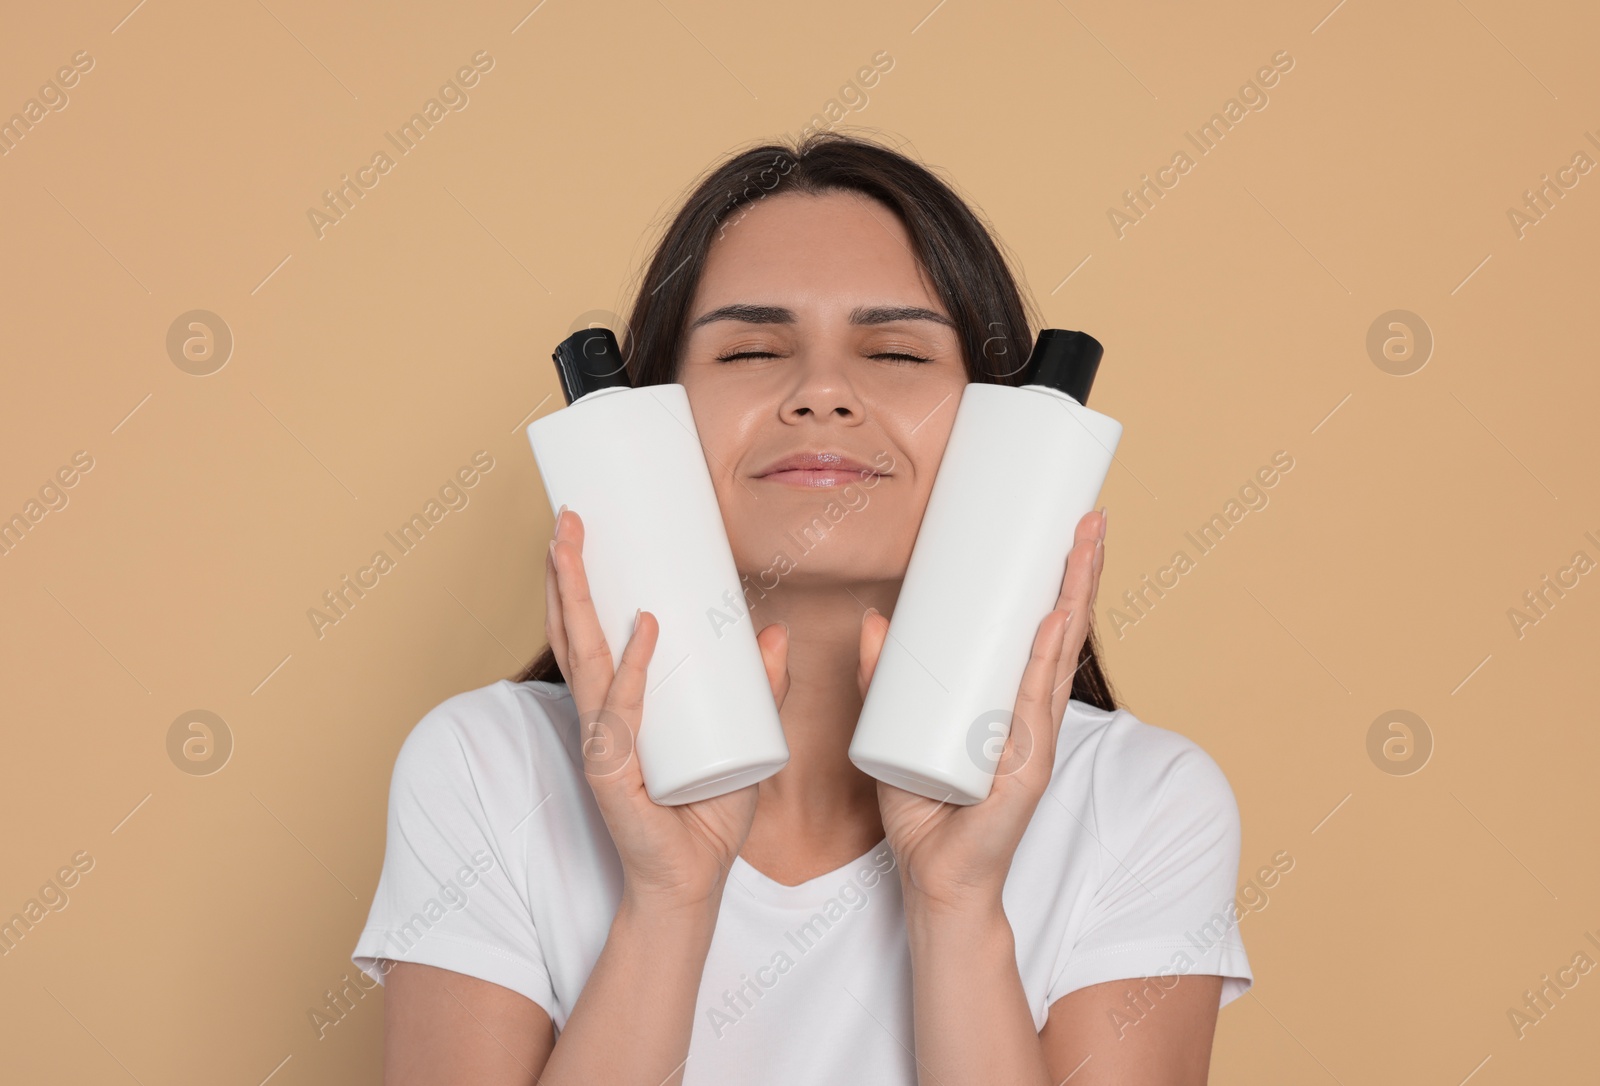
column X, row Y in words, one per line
column 589, row 360
column 1065, row 361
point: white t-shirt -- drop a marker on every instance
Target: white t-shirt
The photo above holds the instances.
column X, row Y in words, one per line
column 499, row 866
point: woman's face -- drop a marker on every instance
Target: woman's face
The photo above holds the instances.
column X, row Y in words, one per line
column 815, row 333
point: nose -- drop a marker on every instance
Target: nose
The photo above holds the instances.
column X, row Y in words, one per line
column 823, row 390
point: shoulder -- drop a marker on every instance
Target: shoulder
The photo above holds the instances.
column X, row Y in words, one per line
column 1136, row 858
column 499, row 716
column 1132, row 748
column 494, row 739
column 1126, row 773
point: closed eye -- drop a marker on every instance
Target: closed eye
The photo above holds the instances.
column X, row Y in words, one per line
column 768, row 354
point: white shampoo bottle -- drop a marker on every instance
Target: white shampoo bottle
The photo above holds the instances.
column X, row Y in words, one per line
column 1022, row 466
column 629, row 462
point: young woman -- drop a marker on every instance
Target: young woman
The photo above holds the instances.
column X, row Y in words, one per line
column 538, row 918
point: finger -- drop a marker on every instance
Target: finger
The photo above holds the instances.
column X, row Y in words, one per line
column 1078, row 625
column 1033, row 707
column 774, row 644
column 612, row 736
column 1099, row 559
column 1080, row 571
column 1073, row 658
column 1077, row 596
column 874, row 628
column 555, row 633
column 588, row 655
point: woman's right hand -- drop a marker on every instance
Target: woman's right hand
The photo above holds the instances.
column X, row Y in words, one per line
column 673, row 857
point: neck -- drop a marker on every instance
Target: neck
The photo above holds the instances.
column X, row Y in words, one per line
column 820, row 795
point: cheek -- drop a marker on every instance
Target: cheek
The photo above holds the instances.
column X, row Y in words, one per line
column 900, row 506
column 726, row 425
column 728, row 451
column 727, row 433
column 925, row 438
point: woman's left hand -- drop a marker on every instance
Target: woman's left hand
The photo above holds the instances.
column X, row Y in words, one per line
column 954, row 857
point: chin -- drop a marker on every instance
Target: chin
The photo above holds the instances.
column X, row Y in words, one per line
column 838, row 544
column 834, row 564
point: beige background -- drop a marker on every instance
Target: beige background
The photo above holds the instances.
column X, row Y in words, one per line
column 372, row 363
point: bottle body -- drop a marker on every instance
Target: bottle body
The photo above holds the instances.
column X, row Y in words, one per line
column 1022, row 466
column 629, row 462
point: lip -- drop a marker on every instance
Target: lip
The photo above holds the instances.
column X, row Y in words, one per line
column 816, row 469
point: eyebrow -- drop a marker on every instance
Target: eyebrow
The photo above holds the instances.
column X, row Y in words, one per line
column 749, row 313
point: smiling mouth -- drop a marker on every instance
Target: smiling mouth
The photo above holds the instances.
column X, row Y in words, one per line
column 818, row 469
column 816, row 477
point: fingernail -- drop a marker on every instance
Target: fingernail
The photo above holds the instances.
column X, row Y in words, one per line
column 563, row 509
column 1104, row 517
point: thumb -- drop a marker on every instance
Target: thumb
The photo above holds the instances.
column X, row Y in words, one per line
column 774, row 644
column 874, row 628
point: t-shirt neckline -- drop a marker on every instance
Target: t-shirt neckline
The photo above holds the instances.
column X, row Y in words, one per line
column 812, row 892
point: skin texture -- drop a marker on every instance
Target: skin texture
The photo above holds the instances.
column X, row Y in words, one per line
column 820, row 381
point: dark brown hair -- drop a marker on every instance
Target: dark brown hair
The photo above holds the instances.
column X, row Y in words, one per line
column 961, row 258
